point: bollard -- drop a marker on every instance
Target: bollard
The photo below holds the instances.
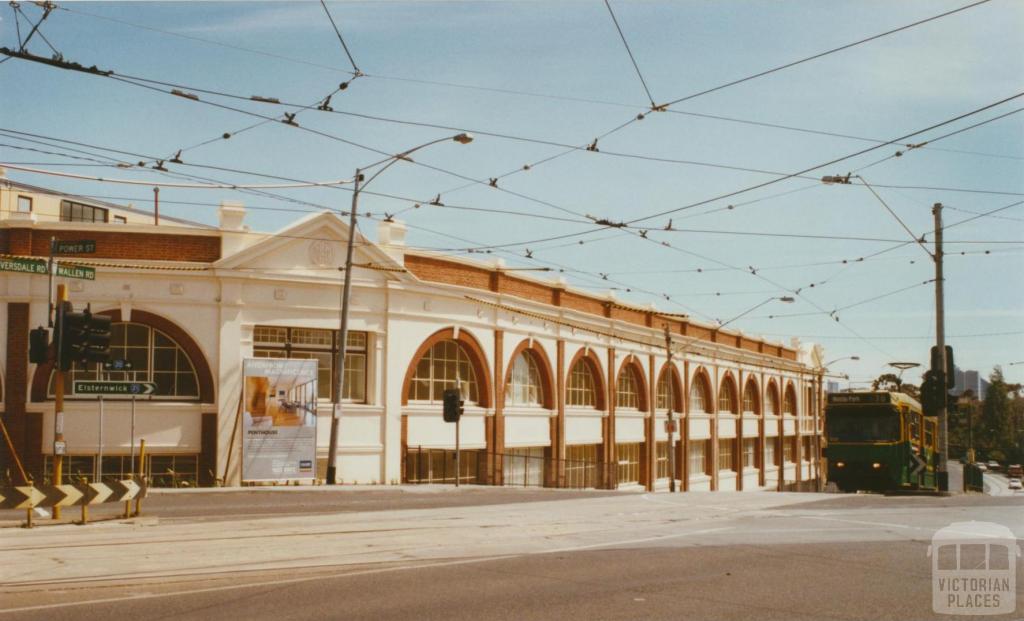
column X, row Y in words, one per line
column 28, row 516
column 142, row 474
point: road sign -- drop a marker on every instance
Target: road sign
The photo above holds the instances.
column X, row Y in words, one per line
column 78, row 246
column 918, row 464
column 114, row 388
column 76, row 271
column 670, row 426
column 25, row 266
column 118, row 364
column 60, row 447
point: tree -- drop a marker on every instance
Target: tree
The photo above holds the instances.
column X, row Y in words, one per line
column 894, row 383
column 998, row 427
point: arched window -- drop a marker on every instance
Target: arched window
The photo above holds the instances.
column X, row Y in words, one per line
column 789, row 402
column 750, row 400
column 627, row 393
column 771, row 403
column 727, row 397
column 581, row 390
column 666, row 391
column 154, row 356
column 699, row 395
column 525, row 386
column 439, row 368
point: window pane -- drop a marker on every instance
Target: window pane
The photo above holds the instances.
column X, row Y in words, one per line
column 24, row 204
column 163, row 359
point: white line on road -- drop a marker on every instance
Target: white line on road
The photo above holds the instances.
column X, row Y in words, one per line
column 366, row 572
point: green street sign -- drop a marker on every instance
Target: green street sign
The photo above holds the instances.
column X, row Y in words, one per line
column 25, row 266
column 76, row 271
column 78, row 246
column 113, row 388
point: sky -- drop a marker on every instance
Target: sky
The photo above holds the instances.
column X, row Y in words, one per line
column 529, row 79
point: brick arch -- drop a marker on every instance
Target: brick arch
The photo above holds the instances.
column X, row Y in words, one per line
column 632, row 365
column 751, row 383
column 595, row 368
column 790, row 391
column 678, row 397
column 477, row 358
column 701, row 375
column 535, row 351
column 771, row 393
column 41, row 378
column 728, row 379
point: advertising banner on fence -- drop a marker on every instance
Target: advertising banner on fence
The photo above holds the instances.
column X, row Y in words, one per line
column 279, row 419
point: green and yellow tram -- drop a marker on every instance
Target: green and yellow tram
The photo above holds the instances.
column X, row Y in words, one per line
column 880, row 441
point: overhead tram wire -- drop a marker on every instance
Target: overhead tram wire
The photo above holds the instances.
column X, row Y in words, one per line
column 632, row 58
column 355, row 69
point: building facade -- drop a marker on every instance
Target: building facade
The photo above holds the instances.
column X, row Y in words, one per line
column 563, row 388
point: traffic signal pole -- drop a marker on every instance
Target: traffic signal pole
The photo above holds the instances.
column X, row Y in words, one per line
column 940, row 342
column 58, row 400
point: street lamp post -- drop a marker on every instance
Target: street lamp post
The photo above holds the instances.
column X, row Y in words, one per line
column 463, row 138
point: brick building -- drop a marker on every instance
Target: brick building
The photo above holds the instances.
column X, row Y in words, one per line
column 565, row 388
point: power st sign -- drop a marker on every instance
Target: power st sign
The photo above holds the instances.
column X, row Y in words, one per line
column 77, row 246
column 114, row 388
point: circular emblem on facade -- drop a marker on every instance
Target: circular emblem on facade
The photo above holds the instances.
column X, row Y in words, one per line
column 321, row 253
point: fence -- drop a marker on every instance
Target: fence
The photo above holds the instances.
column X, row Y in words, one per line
column 974, row 478
column 517, row 469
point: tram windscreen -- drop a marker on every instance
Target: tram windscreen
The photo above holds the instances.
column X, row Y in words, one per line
column 860, row 424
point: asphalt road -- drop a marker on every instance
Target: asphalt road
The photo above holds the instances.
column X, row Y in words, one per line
column 601, row 556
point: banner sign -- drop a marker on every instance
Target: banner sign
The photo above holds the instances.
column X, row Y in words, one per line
column 279, row 419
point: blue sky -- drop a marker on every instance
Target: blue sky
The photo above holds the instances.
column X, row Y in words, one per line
column 558, row 72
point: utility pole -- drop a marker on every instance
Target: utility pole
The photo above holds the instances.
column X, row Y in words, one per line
column 58, row 400
column 332, row 467
column 940, row 342
column 671, row 421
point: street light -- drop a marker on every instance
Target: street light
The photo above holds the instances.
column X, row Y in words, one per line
column 462, row 138
column 786, row 299
column 826, row 365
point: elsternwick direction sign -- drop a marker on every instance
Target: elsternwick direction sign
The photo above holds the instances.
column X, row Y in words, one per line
column 114, row 388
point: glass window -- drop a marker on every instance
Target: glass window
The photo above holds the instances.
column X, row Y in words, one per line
column 581, row 467
column 661, row 459
column 525, row 386
column 24, row 204
column 71, row 211
column 629, row 462
column 666, row 399
column 750, row 453
column 771, row 404
column 155, row 357
column 727, row 397
column 627, row 395
column 697, row 460
column 438, row 369
column 789, row 403
column 789, row 449
column 120, row 220
column 581, row 390
column 320, row 345
column 750, row 398
column 698, row 395
column 805, row 449
column 725, row 454
column 769, row 451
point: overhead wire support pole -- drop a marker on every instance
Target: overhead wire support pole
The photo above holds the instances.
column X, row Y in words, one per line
column 940, row 342
column 671, row 421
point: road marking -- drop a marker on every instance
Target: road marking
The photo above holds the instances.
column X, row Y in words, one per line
column 366, row 572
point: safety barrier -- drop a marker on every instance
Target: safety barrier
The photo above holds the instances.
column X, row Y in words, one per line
column 82, row 495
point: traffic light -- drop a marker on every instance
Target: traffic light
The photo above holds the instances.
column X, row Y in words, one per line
column 933, row 392
column 81, row 336
column 452, row 405
column 950, row 369
column 39, row 346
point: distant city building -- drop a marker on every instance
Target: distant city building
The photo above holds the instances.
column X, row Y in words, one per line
column 969, row 380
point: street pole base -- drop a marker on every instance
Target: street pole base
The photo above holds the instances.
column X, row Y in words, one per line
column 943, row 480
column 332, row 475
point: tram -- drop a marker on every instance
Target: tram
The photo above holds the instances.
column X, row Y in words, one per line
column 880, row 441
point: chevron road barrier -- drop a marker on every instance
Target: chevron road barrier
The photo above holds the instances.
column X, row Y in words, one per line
column 73, row 495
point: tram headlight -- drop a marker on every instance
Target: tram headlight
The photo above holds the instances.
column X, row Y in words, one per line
column 877, row 465
column 840, row 464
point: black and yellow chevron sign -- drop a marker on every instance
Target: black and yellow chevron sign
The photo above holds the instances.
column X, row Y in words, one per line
column 28, row 497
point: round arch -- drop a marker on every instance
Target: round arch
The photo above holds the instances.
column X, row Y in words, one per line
column 41, row 378
column 677, row 384
column 771, row 396
column 477, row 359
column 751, row 387
column 701, row 378
column 535, row 351
column 594, row 363
column 728, row 387
column 631, row 364
column 789, row 396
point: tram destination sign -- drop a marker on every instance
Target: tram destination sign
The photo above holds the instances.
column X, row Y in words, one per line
column 113, row 388
column 859, row 397
column 75, row 246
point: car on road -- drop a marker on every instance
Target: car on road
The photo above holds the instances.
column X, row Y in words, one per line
column 1015, row 484
column 993, row 465
column 981, row 466
column 1014, row 471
